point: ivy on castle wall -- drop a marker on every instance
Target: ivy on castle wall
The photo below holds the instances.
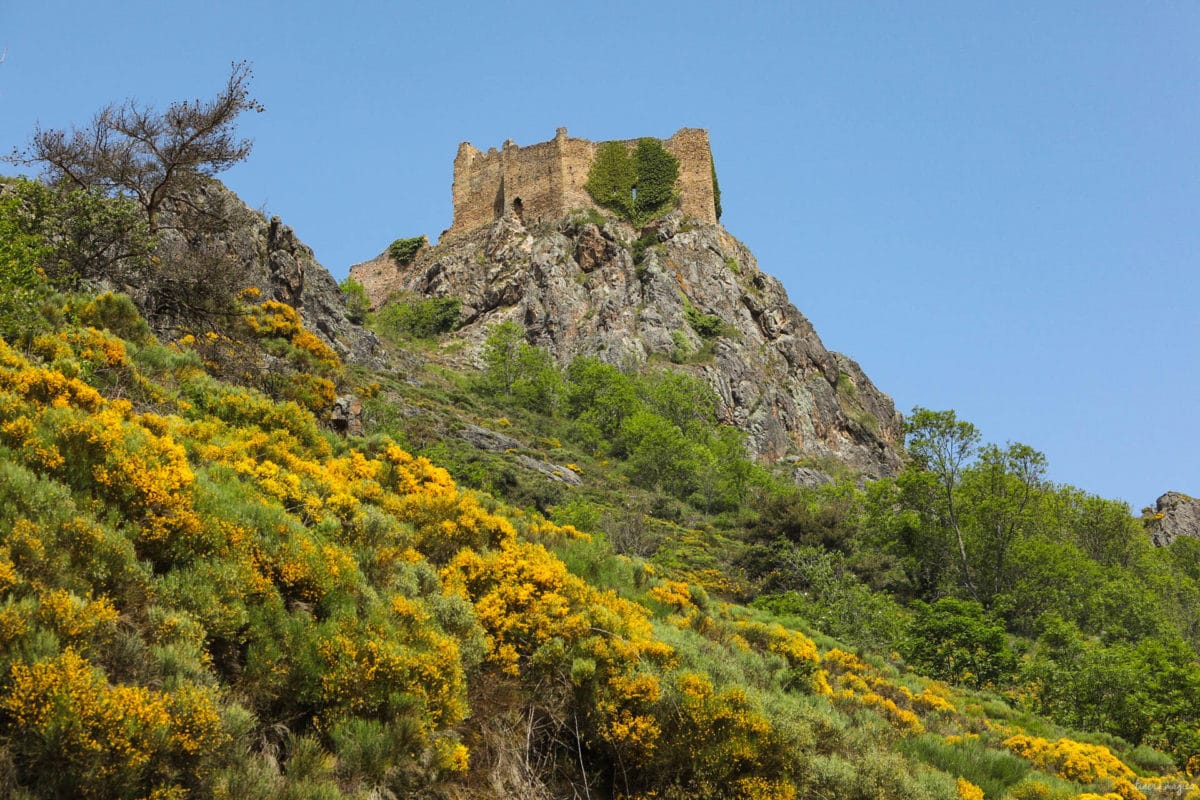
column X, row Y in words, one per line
column 716, row 192
column 638, row 186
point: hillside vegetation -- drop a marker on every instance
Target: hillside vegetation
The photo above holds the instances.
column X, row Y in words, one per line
column 206, row 592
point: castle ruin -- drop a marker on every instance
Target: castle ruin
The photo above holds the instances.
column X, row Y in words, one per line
column 544, row 181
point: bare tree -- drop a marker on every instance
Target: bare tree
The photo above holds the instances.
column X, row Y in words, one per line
column 154, row 158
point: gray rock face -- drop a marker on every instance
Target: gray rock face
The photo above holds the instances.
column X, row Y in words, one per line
column 578, row 291
column 494, row 442
column 248, row 250
column 1180, row 516
column 346, row 415
column 488, row 440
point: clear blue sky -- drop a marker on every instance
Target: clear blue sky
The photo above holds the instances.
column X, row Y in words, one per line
column 994, row 207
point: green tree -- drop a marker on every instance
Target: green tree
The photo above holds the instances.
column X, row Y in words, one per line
column 942, row 445
column 85, row 235
column 520, row 371
column 357, row 304
column 902, row 525
column 684, row 400
column 23, row 286
column 957, row 640
column 409, row 315
column 659, row 455
column 1047, row 576
column 501, row 357
column 539, row 383
column 599, row 395
column 1000, row 495
column 1103, row 529
column 983, row 499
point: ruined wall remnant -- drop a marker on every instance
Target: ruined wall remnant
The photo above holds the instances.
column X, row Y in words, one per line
column 544, row 182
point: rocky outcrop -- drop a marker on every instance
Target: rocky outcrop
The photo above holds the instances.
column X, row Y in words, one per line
column 494, row 442
column 693, row 295
column 232, row 247
column 1175, row 514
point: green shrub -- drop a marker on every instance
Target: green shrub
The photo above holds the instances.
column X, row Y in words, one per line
column 641, row 245
column 707, row 326
column 23, row 284
column 357, row 304
column 958, row 641
column 1151, row 760
column 420, row 317
column 681, row 349
column 115, row 313
column 403, row 251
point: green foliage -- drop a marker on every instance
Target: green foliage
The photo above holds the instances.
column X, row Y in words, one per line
column 638, row 187
column 994, row 771
column 515, row 369
column 958, row 641
column 716, row 192
column 86, row 235
column 418, row 317
column 969, row 505
column 644, row 242
column 587, row 216
column 357, row 304
column 115, row 313
column 657, row 171
column 612, row 178
column 403, row 251
column 22, row 282
column 681, row 348
column 707, row 326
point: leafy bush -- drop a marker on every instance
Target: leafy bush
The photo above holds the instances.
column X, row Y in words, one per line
column 419, row 317
column 403, row 251
column 357, row 304
column 707, row 326
column 86, row 235
column 23, row 284
column 515, row 369
column 956, row 640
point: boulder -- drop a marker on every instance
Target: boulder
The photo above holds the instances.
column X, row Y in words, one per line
column 1175, row 514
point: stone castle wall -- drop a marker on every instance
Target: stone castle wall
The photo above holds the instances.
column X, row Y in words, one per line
column 544, row 182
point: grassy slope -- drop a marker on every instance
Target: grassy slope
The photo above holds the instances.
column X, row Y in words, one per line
column 203, row 593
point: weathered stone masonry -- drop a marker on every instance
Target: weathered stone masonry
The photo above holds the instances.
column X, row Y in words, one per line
column 544, row 182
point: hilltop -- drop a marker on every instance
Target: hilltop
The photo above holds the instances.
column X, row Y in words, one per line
column 675, row 290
